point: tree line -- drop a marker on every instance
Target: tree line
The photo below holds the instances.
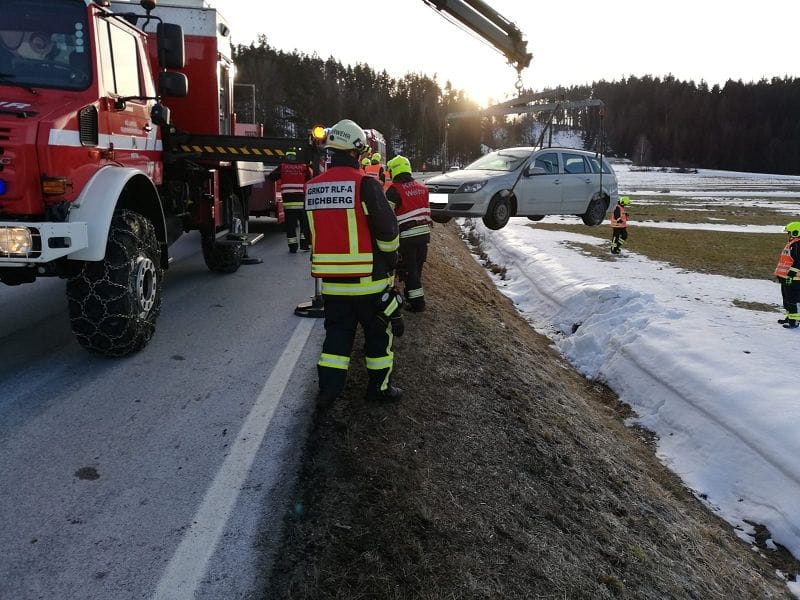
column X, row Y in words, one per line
column 651, row 120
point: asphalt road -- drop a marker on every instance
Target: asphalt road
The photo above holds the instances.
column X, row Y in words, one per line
column 166, row 474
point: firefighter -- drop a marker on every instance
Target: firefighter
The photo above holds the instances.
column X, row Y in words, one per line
column 375, row 168
column 619, row 225
column 410, row 200
column 365, row 162
column 292, row 176
column 354, row 238
column 788, row 275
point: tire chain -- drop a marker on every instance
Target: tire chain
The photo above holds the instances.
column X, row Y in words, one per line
column 103, row 302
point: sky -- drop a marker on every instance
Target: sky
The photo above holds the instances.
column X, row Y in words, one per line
column 713, row 381
column 572, row 43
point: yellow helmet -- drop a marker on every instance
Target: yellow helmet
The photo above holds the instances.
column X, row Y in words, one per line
column 376, row 157
column 365, row 162
column 793, row 229
column 624, row 200
column 399, row 164
column 346, row 135
column 291, row 155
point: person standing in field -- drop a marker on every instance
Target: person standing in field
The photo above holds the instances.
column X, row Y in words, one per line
column 788, row 275
column 619, row 225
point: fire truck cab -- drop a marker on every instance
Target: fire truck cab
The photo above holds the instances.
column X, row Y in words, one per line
column 115, row 123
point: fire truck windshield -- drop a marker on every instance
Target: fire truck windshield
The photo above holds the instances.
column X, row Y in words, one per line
column 44, row 43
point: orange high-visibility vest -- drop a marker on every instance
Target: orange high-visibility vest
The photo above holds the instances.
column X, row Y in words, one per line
column 785, row 261
column 373, row 170
column 414, row 213
column 341, row 242
column 623, row 218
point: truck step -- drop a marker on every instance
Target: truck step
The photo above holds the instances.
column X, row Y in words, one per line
column 242, row 239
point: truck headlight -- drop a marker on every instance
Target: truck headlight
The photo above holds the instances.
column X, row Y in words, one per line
column 15, row 240
column 471, row 187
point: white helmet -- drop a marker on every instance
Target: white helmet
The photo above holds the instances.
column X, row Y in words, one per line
column 346, row 135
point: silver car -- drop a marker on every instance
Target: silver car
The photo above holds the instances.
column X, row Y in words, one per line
column 526, row 182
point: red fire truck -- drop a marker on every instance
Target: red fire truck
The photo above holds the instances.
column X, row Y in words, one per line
column 116, row 137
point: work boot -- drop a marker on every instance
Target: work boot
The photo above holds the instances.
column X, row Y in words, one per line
column 293, row 248
column 390, row 394
column 791, row 324
column 783, row 321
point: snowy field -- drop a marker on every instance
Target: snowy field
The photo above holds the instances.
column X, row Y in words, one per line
column 715, row 382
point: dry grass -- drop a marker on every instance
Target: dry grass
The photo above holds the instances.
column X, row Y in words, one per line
column 501, row 474
column 743, row 255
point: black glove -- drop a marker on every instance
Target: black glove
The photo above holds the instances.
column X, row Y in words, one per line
column 398, row 326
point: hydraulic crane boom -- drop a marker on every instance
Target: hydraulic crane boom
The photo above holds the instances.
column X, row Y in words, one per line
column 490, row 25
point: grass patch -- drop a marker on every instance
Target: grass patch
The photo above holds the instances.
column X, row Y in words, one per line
column 757, row 306
column 743, row 255
column 689, row 211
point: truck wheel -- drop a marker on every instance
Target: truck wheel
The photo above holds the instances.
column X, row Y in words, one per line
column 498, row 213
column 596, row 211
column 226, row 257
column 441, row 218
column 114, row 303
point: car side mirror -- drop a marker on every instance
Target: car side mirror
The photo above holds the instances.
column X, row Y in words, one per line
column 532, row 170
column 173, row 84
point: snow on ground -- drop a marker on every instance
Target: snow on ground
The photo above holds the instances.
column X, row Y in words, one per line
column 715, row 382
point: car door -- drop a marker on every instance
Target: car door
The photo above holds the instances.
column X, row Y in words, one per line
column 538, row 190
column 578, row 185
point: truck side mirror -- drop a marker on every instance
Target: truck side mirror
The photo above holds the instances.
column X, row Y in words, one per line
column 169, row 40
column 172, row 84
column 160, row 115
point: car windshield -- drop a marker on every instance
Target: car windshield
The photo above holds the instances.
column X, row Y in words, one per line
column 43, row 43
column 502, row 160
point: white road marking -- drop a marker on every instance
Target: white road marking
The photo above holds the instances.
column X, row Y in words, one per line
column 188, row 565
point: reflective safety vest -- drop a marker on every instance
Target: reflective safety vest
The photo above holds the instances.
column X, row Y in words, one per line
column 414, row 214
column 373, row 170
column 786, row 261
column 341, row 241
column 293, row 181
column 623, row 218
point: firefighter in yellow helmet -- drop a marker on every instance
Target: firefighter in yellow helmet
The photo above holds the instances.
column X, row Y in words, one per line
column 375, row 168
column 354, row 238
column 291, row 176
column 410, row 201
column 619, row 225
column 365, row 162
column 788, row 275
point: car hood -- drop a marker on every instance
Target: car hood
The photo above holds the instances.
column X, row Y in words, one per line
column 464, row 176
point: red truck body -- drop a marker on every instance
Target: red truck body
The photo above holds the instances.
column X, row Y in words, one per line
column 98, row 175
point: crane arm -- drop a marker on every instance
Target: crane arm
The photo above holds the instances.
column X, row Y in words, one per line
column 490, row 25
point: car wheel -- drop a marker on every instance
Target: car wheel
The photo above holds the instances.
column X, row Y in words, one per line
column 498, row 213
column 596, row 211
column 441, row 218
column 535, row 217
column 113, row 303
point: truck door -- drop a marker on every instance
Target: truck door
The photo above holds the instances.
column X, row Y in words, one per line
column 123, row 74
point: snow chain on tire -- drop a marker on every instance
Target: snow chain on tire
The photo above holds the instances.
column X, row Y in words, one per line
column 114, row 303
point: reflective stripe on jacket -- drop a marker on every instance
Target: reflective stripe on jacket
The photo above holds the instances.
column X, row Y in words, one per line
column 413, row 212
column 786, row 262
column 292, row 181
column 340, row 235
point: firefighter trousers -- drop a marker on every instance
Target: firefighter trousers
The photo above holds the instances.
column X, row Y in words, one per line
column 413, row 254
column 791, row 299
column 293, row 219
column 618, row 237
column 343, row 315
